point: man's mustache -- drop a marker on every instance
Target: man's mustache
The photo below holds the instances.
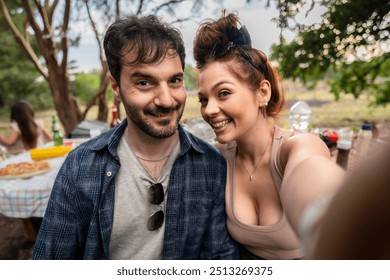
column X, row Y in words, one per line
column 161, row 110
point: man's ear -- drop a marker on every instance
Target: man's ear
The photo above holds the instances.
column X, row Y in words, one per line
column 115, row 87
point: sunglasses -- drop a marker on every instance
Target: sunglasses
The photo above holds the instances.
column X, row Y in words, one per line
column 155, row 197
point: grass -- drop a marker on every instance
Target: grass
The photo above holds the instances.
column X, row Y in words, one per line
column 326, row 112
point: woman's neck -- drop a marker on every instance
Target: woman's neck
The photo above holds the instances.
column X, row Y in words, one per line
column 251, row 145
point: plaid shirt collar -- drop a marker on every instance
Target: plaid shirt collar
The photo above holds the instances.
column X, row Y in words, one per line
column 111, row 141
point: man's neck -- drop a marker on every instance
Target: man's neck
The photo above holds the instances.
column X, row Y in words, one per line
column 148, row 147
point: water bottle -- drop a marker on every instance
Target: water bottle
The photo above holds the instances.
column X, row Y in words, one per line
column 363, row 140
column 299, row 117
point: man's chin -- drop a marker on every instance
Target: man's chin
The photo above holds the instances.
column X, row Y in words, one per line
column 165, row 133
column 164, row 129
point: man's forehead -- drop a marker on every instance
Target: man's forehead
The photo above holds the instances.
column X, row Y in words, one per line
column 169, row 65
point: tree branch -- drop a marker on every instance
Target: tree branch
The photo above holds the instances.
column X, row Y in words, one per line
column 52, row 9
column 64, row 38
column 21, row 40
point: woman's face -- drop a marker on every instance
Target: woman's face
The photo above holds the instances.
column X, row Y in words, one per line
column 229, row 106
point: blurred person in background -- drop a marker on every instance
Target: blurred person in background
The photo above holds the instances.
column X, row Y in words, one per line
column 25, row 132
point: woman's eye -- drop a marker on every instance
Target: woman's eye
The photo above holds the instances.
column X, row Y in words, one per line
column 203, row 101
column 223, row 93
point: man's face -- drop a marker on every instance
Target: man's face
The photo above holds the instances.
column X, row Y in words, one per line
column 153, row 96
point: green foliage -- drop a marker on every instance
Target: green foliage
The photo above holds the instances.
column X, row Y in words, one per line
column 358, row 76
column 349, row 46
column 15, row 86
column 85, row 86
column 190, row 77
column 18, row 77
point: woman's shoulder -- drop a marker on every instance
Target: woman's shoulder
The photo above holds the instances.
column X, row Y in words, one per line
column 39, row 122
column 14, row 126
column 304, row 139
column 302, row 145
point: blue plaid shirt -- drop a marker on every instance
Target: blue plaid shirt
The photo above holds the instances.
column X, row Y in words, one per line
column 78, row 219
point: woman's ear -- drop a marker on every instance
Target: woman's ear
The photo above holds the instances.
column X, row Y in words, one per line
column 115, row 87
column 264, row 93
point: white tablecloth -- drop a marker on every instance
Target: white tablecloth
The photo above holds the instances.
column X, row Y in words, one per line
column 24, row 198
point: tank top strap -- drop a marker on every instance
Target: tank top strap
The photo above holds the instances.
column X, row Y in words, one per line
column 280, row 136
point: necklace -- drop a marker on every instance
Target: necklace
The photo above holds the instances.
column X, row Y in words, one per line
column 152, row 160
column 251, row 174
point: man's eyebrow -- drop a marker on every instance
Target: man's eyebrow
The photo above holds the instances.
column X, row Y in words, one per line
column 179, row 74
column 139, row 74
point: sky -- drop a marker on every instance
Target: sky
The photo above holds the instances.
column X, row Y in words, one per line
column 255, row 16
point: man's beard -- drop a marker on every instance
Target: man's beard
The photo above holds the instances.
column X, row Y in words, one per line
column 162, row 132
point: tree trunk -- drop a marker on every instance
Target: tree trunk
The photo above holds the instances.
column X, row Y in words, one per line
column 102, row 101
column 66, row 106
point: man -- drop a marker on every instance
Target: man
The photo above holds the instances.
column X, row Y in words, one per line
column 146, row 189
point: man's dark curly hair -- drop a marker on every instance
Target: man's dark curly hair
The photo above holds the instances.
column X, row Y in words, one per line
column 149, row 37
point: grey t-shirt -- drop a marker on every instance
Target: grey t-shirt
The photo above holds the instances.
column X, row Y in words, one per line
column 130, row 238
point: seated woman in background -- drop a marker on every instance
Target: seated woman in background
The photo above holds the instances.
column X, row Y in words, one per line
column 273, row 174
column 25, row 131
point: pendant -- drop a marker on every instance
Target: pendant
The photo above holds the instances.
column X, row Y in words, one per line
column 250, row 177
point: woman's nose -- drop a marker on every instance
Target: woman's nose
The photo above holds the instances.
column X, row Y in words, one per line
column 211, row 108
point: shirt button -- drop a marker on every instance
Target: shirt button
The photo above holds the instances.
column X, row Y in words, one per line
column 109, row 173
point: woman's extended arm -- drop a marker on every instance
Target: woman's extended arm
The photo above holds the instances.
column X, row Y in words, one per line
column 309, row 175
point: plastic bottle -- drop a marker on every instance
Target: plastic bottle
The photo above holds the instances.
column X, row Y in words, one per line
column 57, row 137
column 299, row 117
column 344, row 145
column 363, row 140
column 115, row 120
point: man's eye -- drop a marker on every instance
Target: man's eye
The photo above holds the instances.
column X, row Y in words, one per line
column 176, row 80
column 142, row 83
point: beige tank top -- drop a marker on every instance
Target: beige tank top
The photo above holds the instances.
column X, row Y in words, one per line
column 277, row 241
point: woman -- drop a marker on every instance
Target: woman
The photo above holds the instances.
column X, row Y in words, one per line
column 24, row 128
column 273, row 174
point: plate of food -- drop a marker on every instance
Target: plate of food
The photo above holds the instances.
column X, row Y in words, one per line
column 25, row 169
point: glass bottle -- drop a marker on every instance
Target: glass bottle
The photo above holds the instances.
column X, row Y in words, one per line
column 115, row 120
column 57, row 137
column 299, row 116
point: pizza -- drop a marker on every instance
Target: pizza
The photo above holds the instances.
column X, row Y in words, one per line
column 24, row 169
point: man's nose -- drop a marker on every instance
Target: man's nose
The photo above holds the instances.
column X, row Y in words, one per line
column 164, row 97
